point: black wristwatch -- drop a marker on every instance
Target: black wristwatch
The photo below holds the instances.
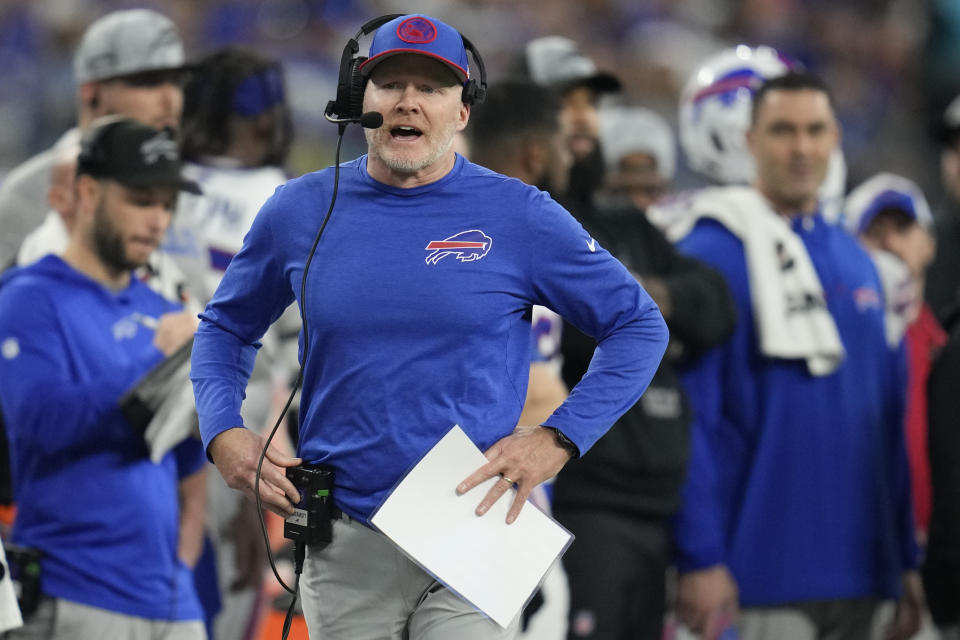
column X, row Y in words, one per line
column 564, row 442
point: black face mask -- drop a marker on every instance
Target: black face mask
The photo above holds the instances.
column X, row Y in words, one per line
column 586, row 176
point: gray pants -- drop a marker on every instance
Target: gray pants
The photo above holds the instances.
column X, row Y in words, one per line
column 819, row 620
column 362, row 587
column 950, row 633
column 58, row 619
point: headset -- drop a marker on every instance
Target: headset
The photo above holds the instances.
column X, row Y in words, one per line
column 348, row 106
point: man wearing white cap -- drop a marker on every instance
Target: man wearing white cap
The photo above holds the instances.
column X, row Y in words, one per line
column 128, row 63
column 890, row 216
column 416, row 316
column 639, row 152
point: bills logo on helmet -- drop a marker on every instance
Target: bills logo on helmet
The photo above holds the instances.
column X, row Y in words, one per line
column 715, row 107
column 465, row 246
column 726, row 88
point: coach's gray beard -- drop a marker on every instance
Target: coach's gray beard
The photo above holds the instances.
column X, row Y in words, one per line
column 402, row 165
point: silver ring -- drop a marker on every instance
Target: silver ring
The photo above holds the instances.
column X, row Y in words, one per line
column 509, row 481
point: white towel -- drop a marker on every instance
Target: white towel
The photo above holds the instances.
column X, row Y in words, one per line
column 9, row 610
column 901, row 292
column 789, row 307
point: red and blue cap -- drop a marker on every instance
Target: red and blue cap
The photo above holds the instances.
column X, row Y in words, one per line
column 419, row 34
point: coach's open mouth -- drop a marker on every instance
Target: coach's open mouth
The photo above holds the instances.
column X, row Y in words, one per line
column 405, row 133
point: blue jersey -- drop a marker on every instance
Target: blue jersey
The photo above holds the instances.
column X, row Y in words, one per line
column 105, row 517
column 418, row 311
column 799, row 483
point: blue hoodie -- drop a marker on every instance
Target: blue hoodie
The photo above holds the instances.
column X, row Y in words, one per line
column 799, row 483
column 105, row 517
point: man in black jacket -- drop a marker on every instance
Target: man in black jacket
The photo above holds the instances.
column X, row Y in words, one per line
column 941, row 568
column 943, row 276
column 617, row 499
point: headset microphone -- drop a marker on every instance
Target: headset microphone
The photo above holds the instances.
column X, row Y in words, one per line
column 368, row 120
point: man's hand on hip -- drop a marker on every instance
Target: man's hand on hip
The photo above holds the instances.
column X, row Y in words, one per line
column 526, row 457
column 236, row 452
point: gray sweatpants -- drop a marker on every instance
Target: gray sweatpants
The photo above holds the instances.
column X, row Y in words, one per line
column 849, row 619
column 58, row 619
column 362, row 587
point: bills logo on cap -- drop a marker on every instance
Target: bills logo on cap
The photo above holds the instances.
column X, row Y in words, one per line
column 466, row 246
column 416, row 30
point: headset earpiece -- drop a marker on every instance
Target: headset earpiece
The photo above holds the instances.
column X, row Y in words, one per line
column 346, row 81
column 354, row 99
column 470, row 92
column 474, row 92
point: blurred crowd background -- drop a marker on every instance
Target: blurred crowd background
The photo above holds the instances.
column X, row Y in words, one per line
column 893, row 64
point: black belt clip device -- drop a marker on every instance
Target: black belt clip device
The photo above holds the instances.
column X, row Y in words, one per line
column 312, row 519
column 24, row 567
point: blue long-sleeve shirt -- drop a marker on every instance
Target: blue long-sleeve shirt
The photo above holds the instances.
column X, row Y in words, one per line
column 409, row 334
column 88, row 496
column 799, row 483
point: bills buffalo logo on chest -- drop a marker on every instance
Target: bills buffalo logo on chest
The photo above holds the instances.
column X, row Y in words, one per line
column 466, row 246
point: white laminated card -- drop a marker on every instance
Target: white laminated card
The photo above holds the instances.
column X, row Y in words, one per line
column 493, row 565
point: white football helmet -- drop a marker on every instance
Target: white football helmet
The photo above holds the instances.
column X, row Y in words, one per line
column 715, row 110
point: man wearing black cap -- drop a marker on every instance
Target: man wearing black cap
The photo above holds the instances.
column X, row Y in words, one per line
column 943, row 278
column 416, row 315
column 76, row 333
column 128, row 63
column 558, row 63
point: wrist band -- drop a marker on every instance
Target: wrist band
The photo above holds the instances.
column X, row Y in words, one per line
column 565, row 442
